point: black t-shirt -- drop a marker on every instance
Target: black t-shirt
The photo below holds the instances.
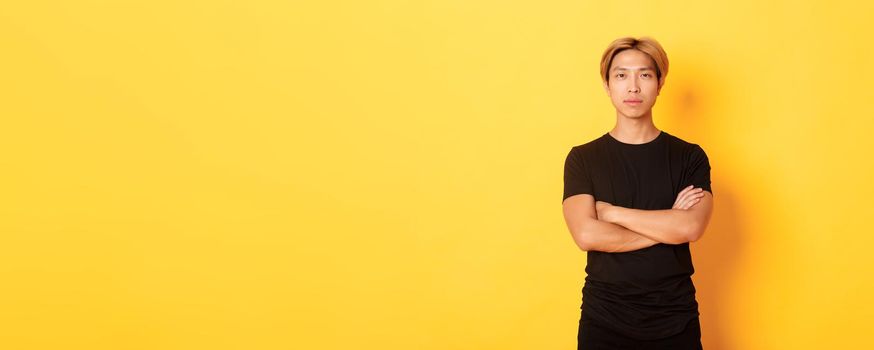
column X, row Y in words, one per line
column 646, row 293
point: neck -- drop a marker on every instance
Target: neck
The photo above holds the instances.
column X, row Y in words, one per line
column 634, row 130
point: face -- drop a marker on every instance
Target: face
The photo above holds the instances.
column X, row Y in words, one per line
column 633, row 85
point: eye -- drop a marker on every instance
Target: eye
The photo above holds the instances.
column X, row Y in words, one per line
column 647, row 74
column 619, row 75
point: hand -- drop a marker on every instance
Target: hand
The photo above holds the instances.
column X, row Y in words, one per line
column 602, row 208
column 688, row 197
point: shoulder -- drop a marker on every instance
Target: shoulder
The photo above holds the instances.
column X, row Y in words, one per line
column 687, row 148
column 588, row 147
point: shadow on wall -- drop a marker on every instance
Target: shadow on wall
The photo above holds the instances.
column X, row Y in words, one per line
column 715, row 257
column 717, row 253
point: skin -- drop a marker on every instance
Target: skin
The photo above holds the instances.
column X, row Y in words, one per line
column 633, row 76
column 601, row 226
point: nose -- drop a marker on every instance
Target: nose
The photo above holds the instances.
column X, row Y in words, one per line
column 633, row 86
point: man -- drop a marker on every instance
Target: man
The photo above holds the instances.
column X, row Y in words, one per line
column 634, row 199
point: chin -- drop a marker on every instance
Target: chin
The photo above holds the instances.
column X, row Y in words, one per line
column 633, row 115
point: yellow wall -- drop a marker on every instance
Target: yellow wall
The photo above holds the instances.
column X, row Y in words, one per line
column 387, row 174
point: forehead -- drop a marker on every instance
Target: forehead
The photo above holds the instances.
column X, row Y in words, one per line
column 632, row 60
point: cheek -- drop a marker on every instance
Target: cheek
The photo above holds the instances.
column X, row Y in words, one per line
column 653, row 87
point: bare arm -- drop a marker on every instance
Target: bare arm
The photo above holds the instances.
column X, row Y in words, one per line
column 671, row 226
column 589, row 233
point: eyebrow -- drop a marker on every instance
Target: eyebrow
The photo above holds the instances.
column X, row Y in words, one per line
column 639, row 68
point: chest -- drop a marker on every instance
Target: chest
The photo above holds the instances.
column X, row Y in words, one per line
column 649, row 179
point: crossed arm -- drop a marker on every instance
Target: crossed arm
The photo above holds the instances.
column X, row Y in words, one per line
column 597, row 225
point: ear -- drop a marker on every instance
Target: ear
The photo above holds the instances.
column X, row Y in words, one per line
column 661, row 83
column 606, row 87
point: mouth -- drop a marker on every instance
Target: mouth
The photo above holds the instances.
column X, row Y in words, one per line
column 632, row 102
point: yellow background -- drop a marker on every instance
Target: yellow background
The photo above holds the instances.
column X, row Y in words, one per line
column 387, row 174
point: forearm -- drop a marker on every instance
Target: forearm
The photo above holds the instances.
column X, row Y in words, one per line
column 608, row 237
column 670, row 226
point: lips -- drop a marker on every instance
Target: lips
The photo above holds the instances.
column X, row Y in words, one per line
column 633, row 102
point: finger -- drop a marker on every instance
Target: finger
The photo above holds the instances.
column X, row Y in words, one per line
column 691, row 194
column 687, row 194
column 682, row 195
column 686, row 204
column 692, row 203
column 680, row 202
column 694, row 196
column 686, row 191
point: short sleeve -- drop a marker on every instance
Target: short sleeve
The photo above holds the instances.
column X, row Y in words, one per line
column 699, row 168
column 576, row 178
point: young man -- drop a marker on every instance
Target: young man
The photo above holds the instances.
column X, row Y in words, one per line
column 633, row 200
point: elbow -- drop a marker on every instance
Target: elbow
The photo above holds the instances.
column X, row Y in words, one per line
column 678, row 237
column 693, row 232
column 683, row 234
column 582, row 242
column 583, row 239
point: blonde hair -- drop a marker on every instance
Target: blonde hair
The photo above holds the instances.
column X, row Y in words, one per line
column 647, row 45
